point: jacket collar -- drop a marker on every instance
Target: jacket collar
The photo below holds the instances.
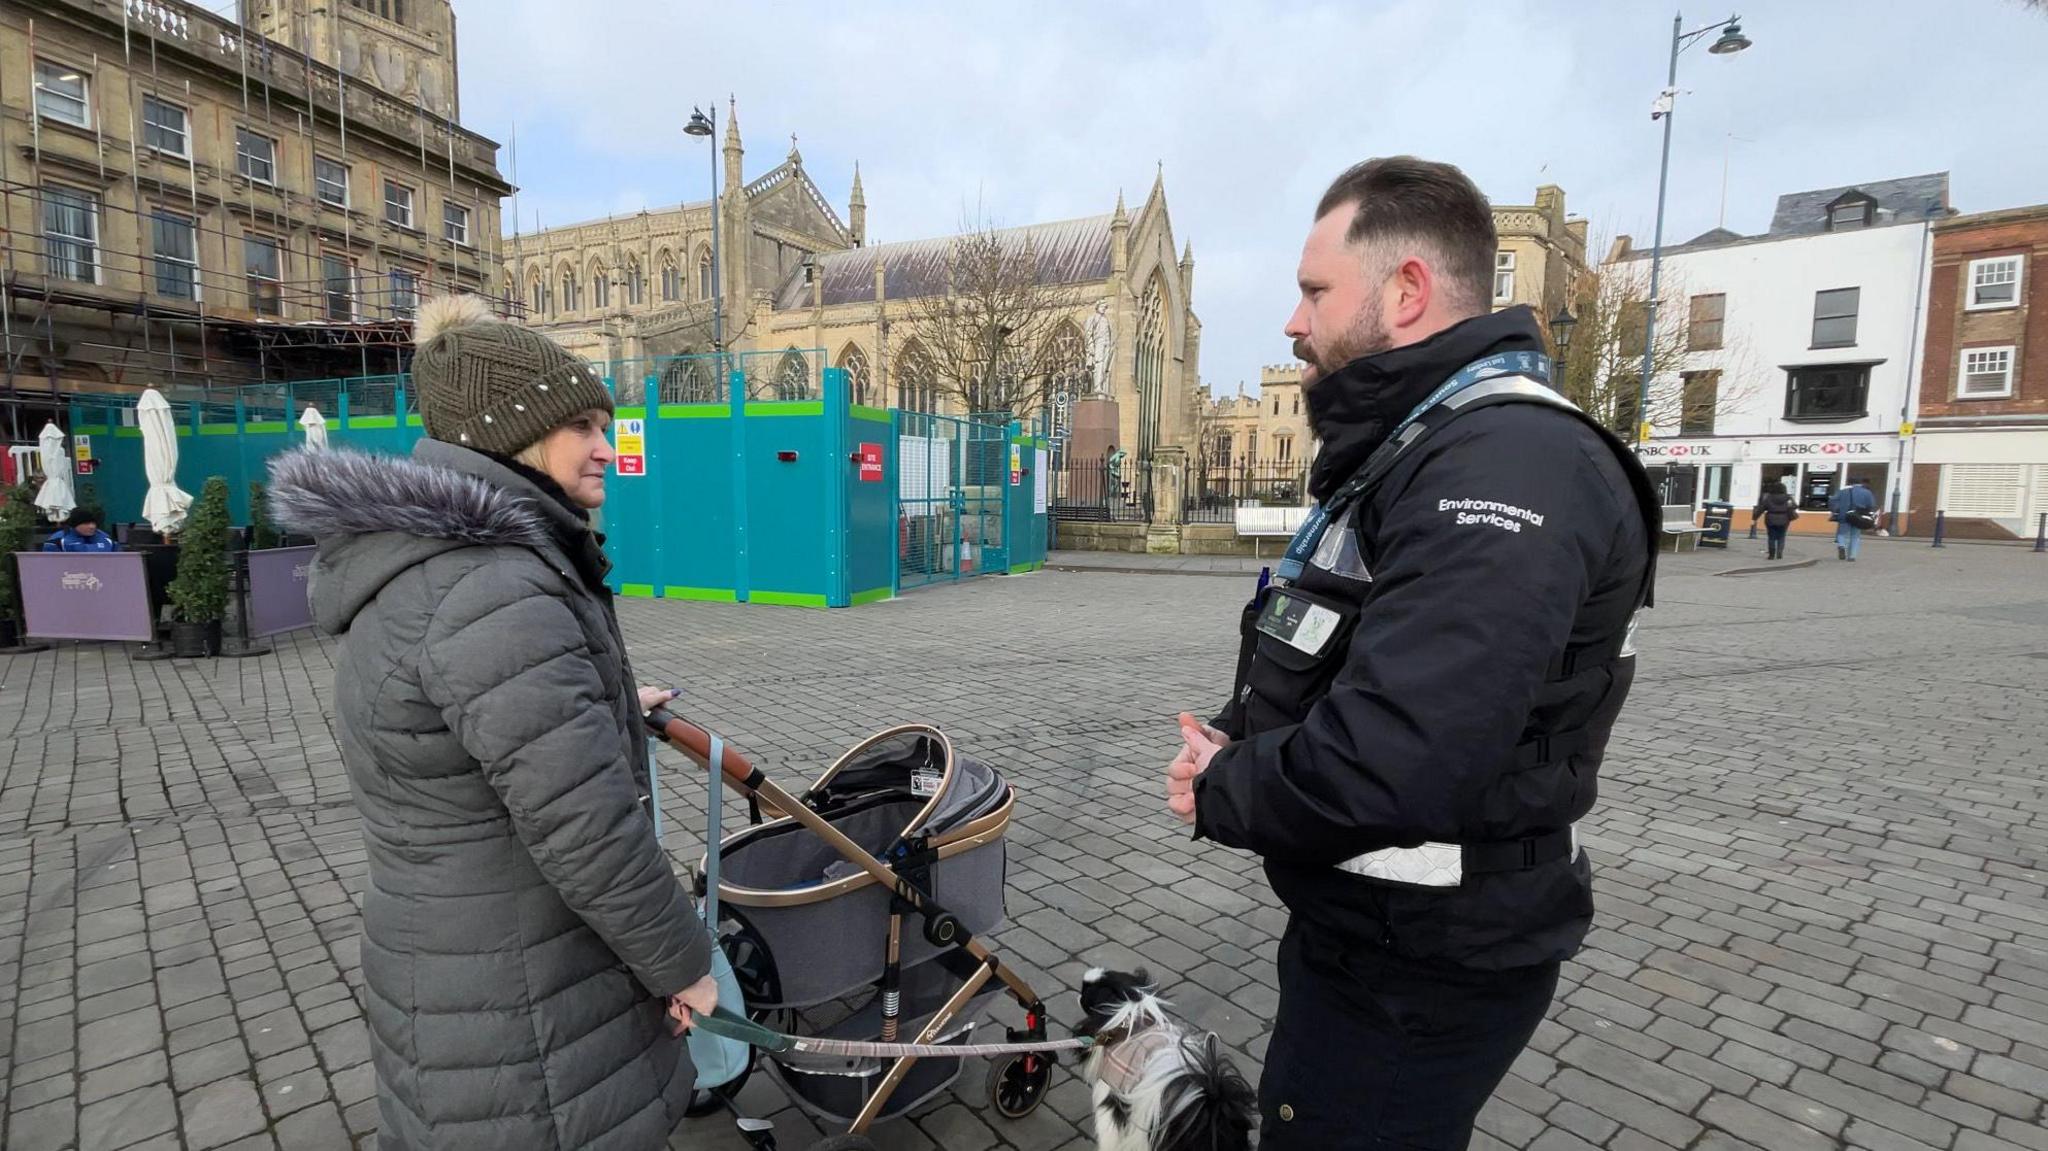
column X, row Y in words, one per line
column 1354, row 409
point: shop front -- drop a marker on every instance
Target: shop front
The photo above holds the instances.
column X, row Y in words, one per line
column 1737, row 470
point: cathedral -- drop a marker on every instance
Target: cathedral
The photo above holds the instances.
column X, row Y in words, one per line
column 795, row 277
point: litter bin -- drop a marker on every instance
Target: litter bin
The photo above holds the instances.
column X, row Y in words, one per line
column 1718, row 520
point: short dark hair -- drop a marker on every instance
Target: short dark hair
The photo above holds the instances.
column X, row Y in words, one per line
column 1427, row 202
column 82, row 516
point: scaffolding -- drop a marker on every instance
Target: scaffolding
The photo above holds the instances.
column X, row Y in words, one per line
column 185, row 300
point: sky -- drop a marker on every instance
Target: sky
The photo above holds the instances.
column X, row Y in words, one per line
column 1022, row 112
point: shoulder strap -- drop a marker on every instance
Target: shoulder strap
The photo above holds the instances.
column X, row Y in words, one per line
column 1512, row 390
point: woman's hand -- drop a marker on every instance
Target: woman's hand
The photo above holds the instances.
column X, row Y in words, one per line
column 699, row 998
column 653, row 697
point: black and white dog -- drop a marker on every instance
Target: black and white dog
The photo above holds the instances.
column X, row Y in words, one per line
column 1156, row 1086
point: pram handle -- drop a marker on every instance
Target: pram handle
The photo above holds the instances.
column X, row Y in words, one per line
column 695, row 742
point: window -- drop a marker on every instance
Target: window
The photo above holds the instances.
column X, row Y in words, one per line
column 1987, row 372
column 704, row 277
column 1284, row 448
column 405, row 293
column 569, row 290
column 71, row 234
column 330, row 181
column 1994, row 283
column 455, row 223
column 61, row 94
column 1849, row 215
column 1297, row 403
column 671, row 281
column 1834, row 317
column 163, row 127
column 264, row 268
column 1708, row 313
column 338, row 283
column 537, row 297
column 1503, row 276
column 600, row 289
column 1827, row 392
column 1276, row 405
column 255, row 156
column 175, row 249
column 636, row 283
column 393, row 10
column 1702, row 398
column 397, row 204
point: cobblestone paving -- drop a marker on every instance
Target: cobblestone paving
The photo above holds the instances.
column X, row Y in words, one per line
column 1822, row 848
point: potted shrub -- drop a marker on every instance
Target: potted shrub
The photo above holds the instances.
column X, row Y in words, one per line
column 17, row 532
column 199, row 596
column 262, row 532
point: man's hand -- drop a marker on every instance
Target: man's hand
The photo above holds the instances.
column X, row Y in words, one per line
column 699, row 998
column 1200, row 745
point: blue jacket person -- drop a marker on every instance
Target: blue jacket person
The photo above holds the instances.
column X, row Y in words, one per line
column 1426, row 688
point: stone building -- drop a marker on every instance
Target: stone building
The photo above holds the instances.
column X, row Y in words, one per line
column 189, row 204
column 795, row 277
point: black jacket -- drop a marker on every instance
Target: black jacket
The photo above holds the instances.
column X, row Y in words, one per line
column 1474, row 678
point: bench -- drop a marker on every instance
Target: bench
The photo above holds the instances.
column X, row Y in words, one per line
column 1679, row 531
column 1256, row 523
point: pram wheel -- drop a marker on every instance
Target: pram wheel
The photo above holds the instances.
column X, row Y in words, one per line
column 1016, row 1086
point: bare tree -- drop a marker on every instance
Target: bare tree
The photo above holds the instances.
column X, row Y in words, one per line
column 1602, row 369
column 991, row 335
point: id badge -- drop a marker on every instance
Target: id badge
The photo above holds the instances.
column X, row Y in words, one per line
column 1301, row 624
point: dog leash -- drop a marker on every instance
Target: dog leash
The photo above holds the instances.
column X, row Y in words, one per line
column 725, row 1024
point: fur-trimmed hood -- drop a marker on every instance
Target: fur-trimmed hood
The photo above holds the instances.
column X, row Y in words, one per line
column 376, row 516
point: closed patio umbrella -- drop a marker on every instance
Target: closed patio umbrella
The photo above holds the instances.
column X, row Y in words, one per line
column 164, row 507
column 55, row 497
column 315, row 426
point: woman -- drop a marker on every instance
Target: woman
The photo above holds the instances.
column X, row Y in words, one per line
column 528, row 956
column 1777, row 510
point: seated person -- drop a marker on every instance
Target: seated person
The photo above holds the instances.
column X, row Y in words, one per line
column 81, row 533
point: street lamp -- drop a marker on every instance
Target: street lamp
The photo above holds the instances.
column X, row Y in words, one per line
column 704, row 127
column 1730, row 42
column 1561, row 328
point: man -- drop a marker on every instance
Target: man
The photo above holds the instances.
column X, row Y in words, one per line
column 81, row 533
column 1853, row 509
column 1426, row 690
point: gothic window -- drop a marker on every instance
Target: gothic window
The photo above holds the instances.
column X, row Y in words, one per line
column 636, row 283
column 600, row 288
column 571, row 291
column 671, row 279
column 1151, row 349
column 705, row 287
column 917, row 380
column 537, row 296
column 793, row 376
column 691, row 378
column 854, row 363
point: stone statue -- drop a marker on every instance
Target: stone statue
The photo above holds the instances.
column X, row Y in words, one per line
column 1101, row 347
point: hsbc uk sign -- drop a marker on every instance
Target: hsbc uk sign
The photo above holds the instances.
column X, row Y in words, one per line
column 1750, row 450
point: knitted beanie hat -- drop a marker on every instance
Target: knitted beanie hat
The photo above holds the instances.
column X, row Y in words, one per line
column 489, row 384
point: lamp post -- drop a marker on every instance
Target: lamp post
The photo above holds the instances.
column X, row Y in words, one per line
column 1730, row 42
column 1561, row 329
column 703, row 126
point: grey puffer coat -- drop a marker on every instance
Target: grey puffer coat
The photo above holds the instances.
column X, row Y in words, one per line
column 520, row 925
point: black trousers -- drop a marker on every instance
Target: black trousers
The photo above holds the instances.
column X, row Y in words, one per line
column 1374, row 1051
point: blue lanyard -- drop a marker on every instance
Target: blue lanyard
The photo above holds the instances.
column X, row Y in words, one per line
column 1309, row 536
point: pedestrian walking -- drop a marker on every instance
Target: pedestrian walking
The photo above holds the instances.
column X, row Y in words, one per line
column 528, row 956
column 1426, row 689
column 1777, row 510
column 1854, row 510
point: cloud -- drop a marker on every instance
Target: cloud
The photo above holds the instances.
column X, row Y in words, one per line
column 1044, row 111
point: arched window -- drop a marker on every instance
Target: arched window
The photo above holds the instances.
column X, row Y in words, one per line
column 671, row 279
column 571, row 291
column 854, row 363
column 537, row 296
column 691, row 378
column 600, row 287
column 793, row 376
column 1151, row 348
column 917, row 380
column 1067, row 377
column 636, row 282
column 705, row 287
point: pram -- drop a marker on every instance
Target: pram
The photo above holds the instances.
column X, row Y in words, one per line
column 855, row 914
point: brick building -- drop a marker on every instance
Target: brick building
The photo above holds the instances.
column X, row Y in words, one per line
column 1981, row 453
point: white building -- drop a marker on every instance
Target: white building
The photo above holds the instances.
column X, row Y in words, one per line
column 1807, row 340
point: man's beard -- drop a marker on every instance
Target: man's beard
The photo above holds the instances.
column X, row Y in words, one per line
column 1366, row 336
